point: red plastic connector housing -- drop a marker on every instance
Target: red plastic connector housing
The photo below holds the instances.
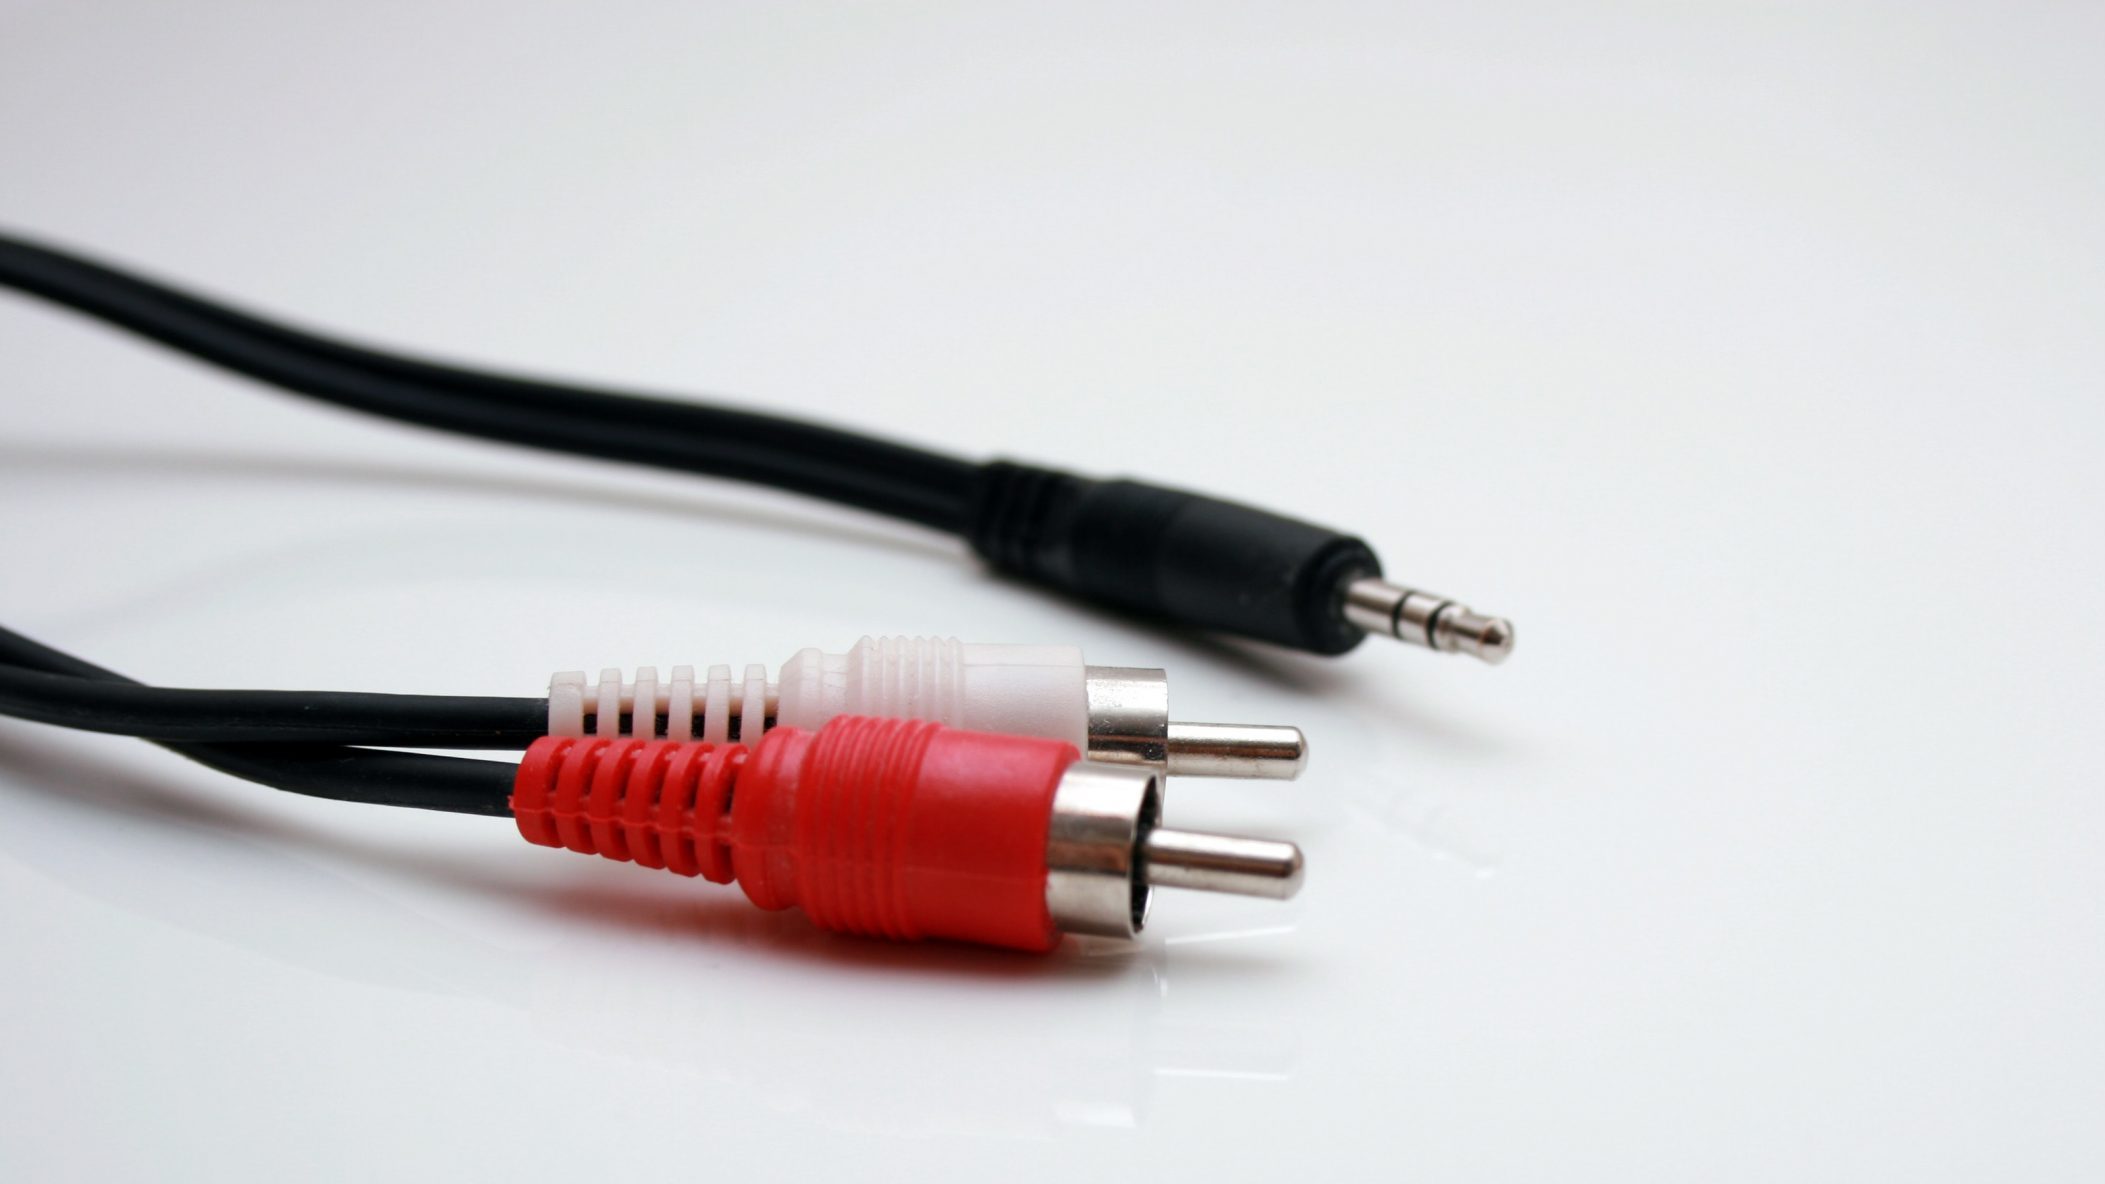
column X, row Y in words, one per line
column 893, row 828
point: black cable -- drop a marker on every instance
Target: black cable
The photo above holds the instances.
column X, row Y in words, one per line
column 1181, row 557
column 841, row 466
column 274, row 717
column 317, row 770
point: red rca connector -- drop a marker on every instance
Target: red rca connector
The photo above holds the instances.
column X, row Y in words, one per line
column 893, row 828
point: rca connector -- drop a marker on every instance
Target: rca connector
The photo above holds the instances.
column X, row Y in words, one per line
column 1113, row 714
column 900, row 828
column 894, row 828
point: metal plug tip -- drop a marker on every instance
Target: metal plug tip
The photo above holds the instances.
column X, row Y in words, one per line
column 1267, row 751
column 1220, row 863
column 1462, row 631
column 1421, row 618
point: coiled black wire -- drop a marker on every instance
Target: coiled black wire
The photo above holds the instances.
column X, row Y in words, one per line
column 840, row 466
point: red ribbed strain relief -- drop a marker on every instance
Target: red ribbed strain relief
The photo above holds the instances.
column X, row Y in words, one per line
column 902, row 828
column 659, row 803
column 856, row 793
column 893, row 828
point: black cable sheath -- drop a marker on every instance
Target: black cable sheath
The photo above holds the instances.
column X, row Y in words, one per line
column 275, row 717
column 450, row 784
column 878, row 475
column 1152, row 551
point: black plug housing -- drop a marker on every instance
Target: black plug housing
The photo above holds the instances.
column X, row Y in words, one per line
column 1183, row 557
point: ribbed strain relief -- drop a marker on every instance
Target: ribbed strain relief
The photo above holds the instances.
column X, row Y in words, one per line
column 1013, row 512
column 718, row 707
column 910, row 677
column 655, row 802
column 855, row 790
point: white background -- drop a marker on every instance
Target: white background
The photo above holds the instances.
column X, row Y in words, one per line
column 1747, row 356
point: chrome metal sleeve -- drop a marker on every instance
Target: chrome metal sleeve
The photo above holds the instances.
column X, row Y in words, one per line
column 1093, row 876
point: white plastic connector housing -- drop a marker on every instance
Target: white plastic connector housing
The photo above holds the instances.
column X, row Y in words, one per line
column 1026, row 690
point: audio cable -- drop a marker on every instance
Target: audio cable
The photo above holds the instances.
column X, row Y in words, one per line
column 902, row 828
column 1181, row 558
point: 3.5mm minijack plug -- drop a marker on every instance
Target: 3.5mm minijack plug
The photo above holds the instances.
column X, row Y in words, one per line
column 1421, row 618
column 1209, row 563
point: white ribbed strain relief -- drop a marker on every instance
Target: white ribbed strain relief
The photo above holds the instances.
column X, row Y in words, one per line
column 908, row 677
column 716, row 706
column 1019, row 689
column 577, row 708
column 752, row 706
column 680, row 705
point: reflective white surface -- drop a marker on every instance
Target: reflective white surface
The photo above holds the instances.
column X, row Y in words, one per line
column 1748, row 358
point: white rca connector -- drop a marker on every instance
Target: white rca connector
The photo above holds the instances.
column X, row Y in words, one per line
column 1114, row 714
